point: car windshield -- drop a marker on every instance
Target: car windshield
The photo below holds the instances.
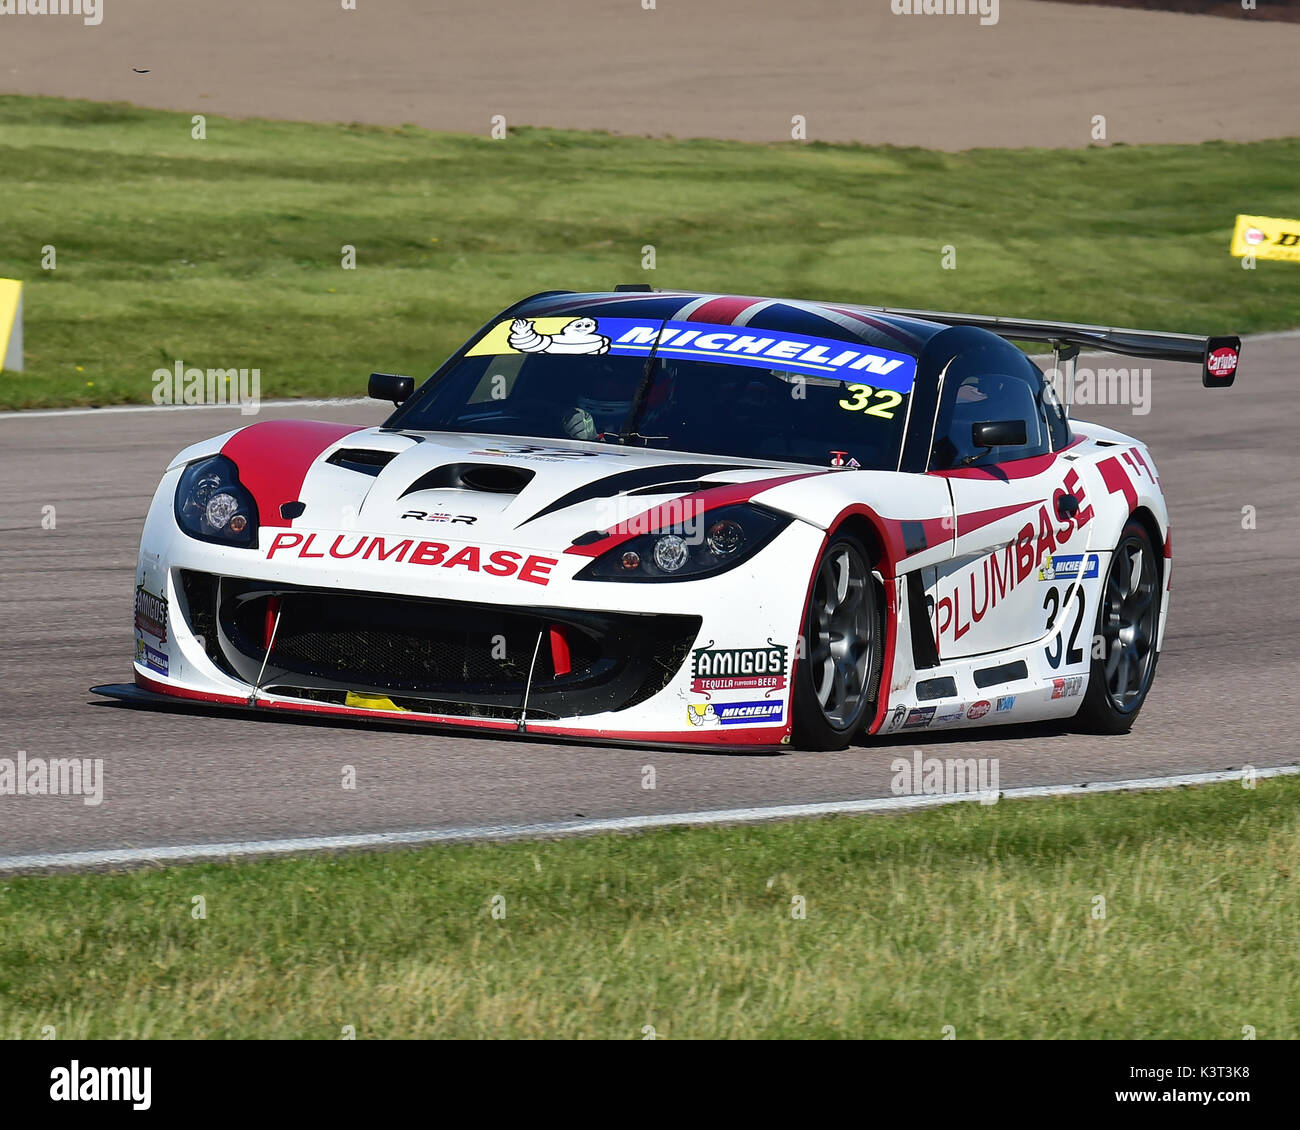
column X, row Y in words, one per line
column 690, row 387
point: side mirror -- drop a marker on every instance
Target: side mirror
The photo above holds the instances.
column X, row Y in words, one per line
column 391, row 386
column 999, row 433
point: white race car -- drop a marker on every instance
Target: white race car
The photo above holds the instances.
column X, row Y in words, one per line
column 671, row 518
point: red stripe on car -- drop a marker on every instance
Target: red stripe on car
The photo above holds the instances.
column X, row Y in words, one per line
column 688, row 506
column 969, row 523
column 274, row 456
column 1012, row 469
column 722, row 311
column 1117, row 481
column 561, row 663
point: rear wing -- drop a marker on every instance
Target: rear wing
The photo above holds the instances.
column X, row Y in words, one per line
column 1217, row 356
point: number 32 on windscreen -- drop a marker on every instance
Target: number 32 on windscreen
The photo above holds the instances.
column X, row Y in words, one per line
column 887, row 400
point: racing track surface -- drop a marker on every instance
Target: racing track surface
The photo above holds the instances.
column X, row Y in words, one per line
column 708, row 68
column 1225, row 693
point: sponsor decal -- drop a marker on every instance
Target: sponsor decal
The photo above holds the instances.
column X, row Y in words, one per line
column 978, row 709
column 1267, row 237
column 150, row 614
column 979, row 590
column 1222, row 362
column 426, row 516
column 702, row 341
column 1067, row 687
column 951, row 716
column 1068, row 568
column 734, row 713
column 530, row 567
column 150, row 657
column 738, row 668
column 922, row 716
column 900, row 712
column 1005, row 703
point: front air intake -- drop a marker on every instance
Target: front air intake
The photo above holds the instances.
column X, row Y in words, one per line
column 362, row 460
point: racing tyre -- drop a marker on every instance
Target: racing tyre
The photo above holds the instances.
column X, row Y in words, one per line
column 1127, row 622
column 837, row 676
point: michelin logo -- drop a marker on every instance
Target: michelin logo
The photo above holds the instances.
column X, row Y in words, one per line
column 1067, row 568
column 579, row 336
column 734, row 713
column 150, row 657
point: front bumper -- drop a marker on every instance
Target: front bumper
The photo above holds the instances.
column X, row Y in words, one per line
column 590, row 660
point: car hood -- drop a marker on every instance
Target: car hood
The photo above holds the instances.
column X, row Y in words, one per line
column 465, row 486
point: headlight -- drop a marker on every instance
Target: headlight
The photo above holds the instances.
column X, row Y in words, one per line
column 711, row 542
column 212, row 505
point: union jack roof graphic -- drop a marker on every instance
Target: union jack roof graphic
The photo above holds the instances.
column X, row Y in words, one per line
column 787, row 315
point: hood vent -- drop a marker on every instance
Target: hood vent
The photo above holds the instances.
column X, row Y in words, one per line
column 489, row 478
column 362, row 460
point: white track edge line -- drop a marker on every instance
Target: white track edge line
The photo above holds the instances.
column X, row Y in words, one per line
column 117, row 409
column 245, row 848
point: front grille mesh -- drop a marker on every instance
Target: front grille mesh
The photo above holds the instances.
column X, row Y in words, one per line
column 415, row 644
column 471, row 659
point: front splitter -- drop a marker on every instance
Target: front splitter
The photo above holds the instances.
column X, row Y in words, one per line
column 322, row 713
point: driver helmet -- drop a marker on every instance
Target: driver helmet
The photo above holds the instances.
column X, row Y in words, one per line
column 607, row 397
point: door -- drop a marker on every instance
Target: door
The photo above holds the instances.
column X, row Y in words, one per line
column 1021, row 519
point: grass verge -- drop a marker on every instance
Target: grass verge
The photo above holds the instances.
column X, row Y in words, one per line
column 226, row 252
column 979, row 918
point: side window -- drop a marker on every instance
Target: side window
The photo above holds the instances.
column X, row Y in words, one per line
column 983, row 397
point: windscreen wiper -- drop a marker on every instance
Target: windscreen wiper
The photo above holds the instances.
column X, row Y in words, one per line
column 642, row 392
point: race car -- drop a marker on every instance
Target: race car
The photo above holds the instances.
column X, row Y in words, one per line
column 672, row 518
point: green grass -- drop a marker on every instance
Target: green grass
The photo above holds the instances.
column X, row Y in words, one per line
column 979, row 918
column 225, row 252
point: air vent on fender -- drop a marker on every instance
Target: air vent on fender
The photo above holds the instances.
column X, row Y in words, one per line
column 491, row 478
column 362, row 460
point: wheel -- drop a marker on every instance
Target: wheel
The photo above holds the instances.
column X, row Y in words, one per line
column 1127, row 622
column 838, row 672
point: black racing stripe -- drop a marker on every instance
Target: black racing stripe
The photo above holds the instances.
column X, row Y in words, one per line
column 614, row 484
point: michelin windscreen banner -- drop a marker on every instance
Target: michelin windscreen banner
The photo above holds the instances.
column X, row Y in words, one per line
column 700, row 341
